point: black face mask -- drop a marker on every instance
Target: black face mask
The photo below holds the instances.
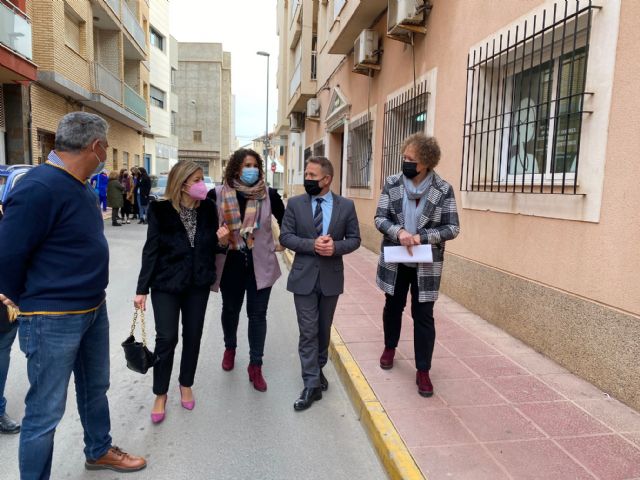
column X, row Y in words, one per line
column 312, row 187
column 409, row 169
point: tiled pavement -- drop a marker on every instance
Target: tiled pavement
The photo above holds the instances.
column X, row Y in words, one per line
column 500, row 410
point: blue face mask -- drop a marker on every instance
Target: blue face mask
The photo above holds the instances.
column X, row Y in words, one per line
column 250, row 175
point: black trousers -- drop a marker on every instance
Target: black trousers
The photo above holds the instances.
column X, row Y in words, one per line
column 424, row 330
column 239, row 277
column 114, row 215
column 166, row 309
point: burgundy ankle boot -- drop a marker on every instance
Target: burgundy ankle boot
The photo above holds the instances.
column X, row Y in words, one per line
column 386, row 360
column 228, row 359
column 425, row 387
column 255, row 376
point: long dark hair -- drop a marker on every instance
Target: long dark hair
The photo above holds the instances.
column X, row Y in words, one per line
column 234, row 166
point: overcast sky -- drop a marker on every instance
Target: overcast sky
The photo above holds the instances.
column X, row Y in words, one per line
column 243, row 27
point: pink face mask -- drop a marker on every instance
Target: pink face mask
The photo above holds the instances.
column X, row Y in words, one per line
column 198, row 190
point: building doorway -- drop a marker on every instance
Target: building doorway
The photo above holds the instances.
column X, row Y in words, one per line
column 46, row 143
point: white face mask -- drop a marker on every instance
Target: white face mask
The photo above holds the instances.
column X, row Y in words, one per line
column 100, row 166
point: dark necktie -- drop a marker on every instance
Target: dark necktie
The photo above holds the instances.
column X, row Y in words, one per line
column 317, row 216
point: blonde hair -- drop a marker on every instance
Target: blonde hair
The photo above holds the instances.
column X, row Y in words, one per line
column 179, row 174
column 113, row 175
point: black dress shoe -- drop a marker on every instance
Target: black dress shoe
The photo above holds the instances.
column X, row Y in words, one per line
column 307, row 397
column 324, row 383
column 8, row 426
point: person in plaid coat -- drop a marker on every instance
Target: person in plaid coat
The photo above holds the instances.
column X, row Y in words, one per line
column 416, row 207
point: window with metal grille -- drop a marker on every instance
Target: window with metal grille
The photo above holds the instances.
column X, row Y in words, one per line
column 525, row 104
column 403, row 115
column 197, row 136
column 359, row 153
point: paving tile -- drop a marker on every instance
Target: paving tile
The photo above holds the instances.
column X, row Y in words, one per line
column 537, row 460
column 361, row 321
column 493, row 366
column 468, row 347
column 538, row 364
column 357, row 334
column 420, row 428
column 479, row 326
column 447, row 368
column 509, row 346
column 523, row 388
column 458, row 462
column 406, row 348
column 615, row 414
column 609, row 457
column 572, row 387
column 448, row 329
column 634, row 437
column 349, row 309
column 562, row 419
column 470, row 391
column 402, row 371
column 497, row 422
column 404, row 395
column 365, row 350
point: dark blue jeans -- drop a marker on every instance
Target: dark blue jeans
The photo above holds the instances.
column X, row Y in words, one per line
column 55, row 346
column 6, row 340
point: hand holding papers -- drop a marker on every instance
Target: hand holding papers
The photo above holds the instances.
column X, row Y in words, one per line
column 421, row 254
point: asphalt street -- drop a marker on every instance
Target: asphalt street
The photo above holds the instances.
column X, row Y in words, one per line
column 235, row 432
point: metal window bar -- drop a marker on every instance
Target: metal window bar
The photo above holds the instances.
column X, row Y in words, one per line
column 359, row 153
column 403, row 115
column 525, row 105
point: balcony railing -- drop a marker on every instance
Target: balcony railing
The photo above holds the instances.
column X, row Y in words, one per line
column 15, row 31
column 115, row 6
column 134, row 102
column 131, row 23
column 107, row 83
column 295, row 81
column 314, row 65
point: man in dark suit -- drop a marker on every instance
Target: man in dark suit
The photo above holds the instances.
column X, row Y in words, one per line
column 320, row 227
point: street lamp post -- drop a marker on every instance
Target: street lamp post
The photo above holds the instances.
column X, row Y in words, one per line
column 266, row 124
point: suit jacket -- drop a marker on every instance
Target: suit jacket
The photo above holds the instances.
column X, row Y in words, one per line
column 299, row 234
column 169, row 263
column 438, row 223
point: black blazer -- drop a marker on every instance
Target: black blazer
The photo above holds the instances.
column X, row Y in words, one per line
column 144, row 186
column 169, row 263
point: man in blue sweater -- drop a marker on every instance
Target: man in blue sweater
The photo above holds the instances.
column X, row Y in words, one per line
column 54, row 260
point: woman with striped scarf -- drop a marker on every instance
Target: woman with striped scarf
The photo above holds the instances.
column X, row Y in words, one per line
column 250, row 266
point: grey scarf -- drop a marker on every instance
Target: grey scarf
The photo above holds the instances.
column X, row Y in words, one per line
column 412, row 193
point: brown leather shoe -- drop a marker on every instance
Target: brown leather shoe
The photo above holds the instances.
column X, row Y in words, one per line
column 386, row 360
column 118, row 461
column 425, row 388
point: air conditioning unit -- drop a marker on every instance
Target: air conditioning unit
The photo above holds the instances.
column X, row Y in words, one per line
column 296, row 122
column 405, row 17
column 366, row 55
column 313, row 108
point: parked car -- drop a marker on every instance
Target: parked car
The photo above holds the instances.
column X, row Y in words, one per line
column 158, row 186
column 10, row 175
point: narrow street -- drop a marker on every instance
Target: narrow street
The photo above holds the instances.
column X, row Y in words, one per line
column 234, row 432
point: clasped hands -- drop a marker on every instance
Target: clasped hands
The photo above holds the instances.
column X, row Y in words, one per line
column 408, row 240
column 324, row 246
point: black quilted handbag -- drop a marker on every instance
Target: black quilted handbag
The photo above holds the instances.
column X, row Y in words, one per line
column 139, row 358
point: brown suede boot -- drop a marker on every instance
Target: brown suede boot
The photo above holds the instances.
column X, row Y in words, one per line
column 386, row 360
column 255, row 376
column 228, row 359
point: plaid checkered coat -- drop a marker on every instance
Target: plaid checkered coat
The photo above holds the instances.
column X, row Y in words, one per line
column 438, row 223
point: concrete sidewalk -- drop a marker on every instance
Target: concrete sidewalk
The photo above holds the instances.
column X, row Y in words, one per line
column 500, row 409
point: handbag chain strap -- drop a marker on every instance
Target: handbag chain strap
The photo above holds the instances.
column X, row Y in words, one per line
column 136, row 313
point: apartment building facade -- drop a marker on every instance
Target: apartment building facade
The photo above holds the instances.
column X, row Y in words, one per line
column 205, row 123
column 161, row 143
column 93, row 56
column 534, row 108
column 17, row 70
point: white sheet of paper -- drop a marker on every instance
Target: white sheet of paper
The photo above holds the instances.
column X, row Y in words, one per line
column 421, row 254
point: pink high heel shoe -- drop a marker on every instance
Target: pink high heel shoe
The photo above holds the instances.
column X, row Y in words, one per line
column 188, row 405
column 159, row 417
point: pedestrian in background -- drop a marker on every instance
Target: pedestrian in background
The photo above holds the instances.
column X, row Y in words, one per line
column 320, row 227
column 178, row 266
column 127, row 195
column 142, row 197
column 416, row 207
column 115, row 198
column 250, row 265
column 55, row 267
column 135, row 180
column 99, row 183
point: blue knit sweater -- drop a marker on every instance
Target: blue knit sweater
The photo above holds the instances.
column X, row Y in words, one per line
column 54, row 257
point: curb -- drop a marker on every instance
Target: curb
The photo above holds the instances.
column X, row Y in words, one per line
column 391, row 449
